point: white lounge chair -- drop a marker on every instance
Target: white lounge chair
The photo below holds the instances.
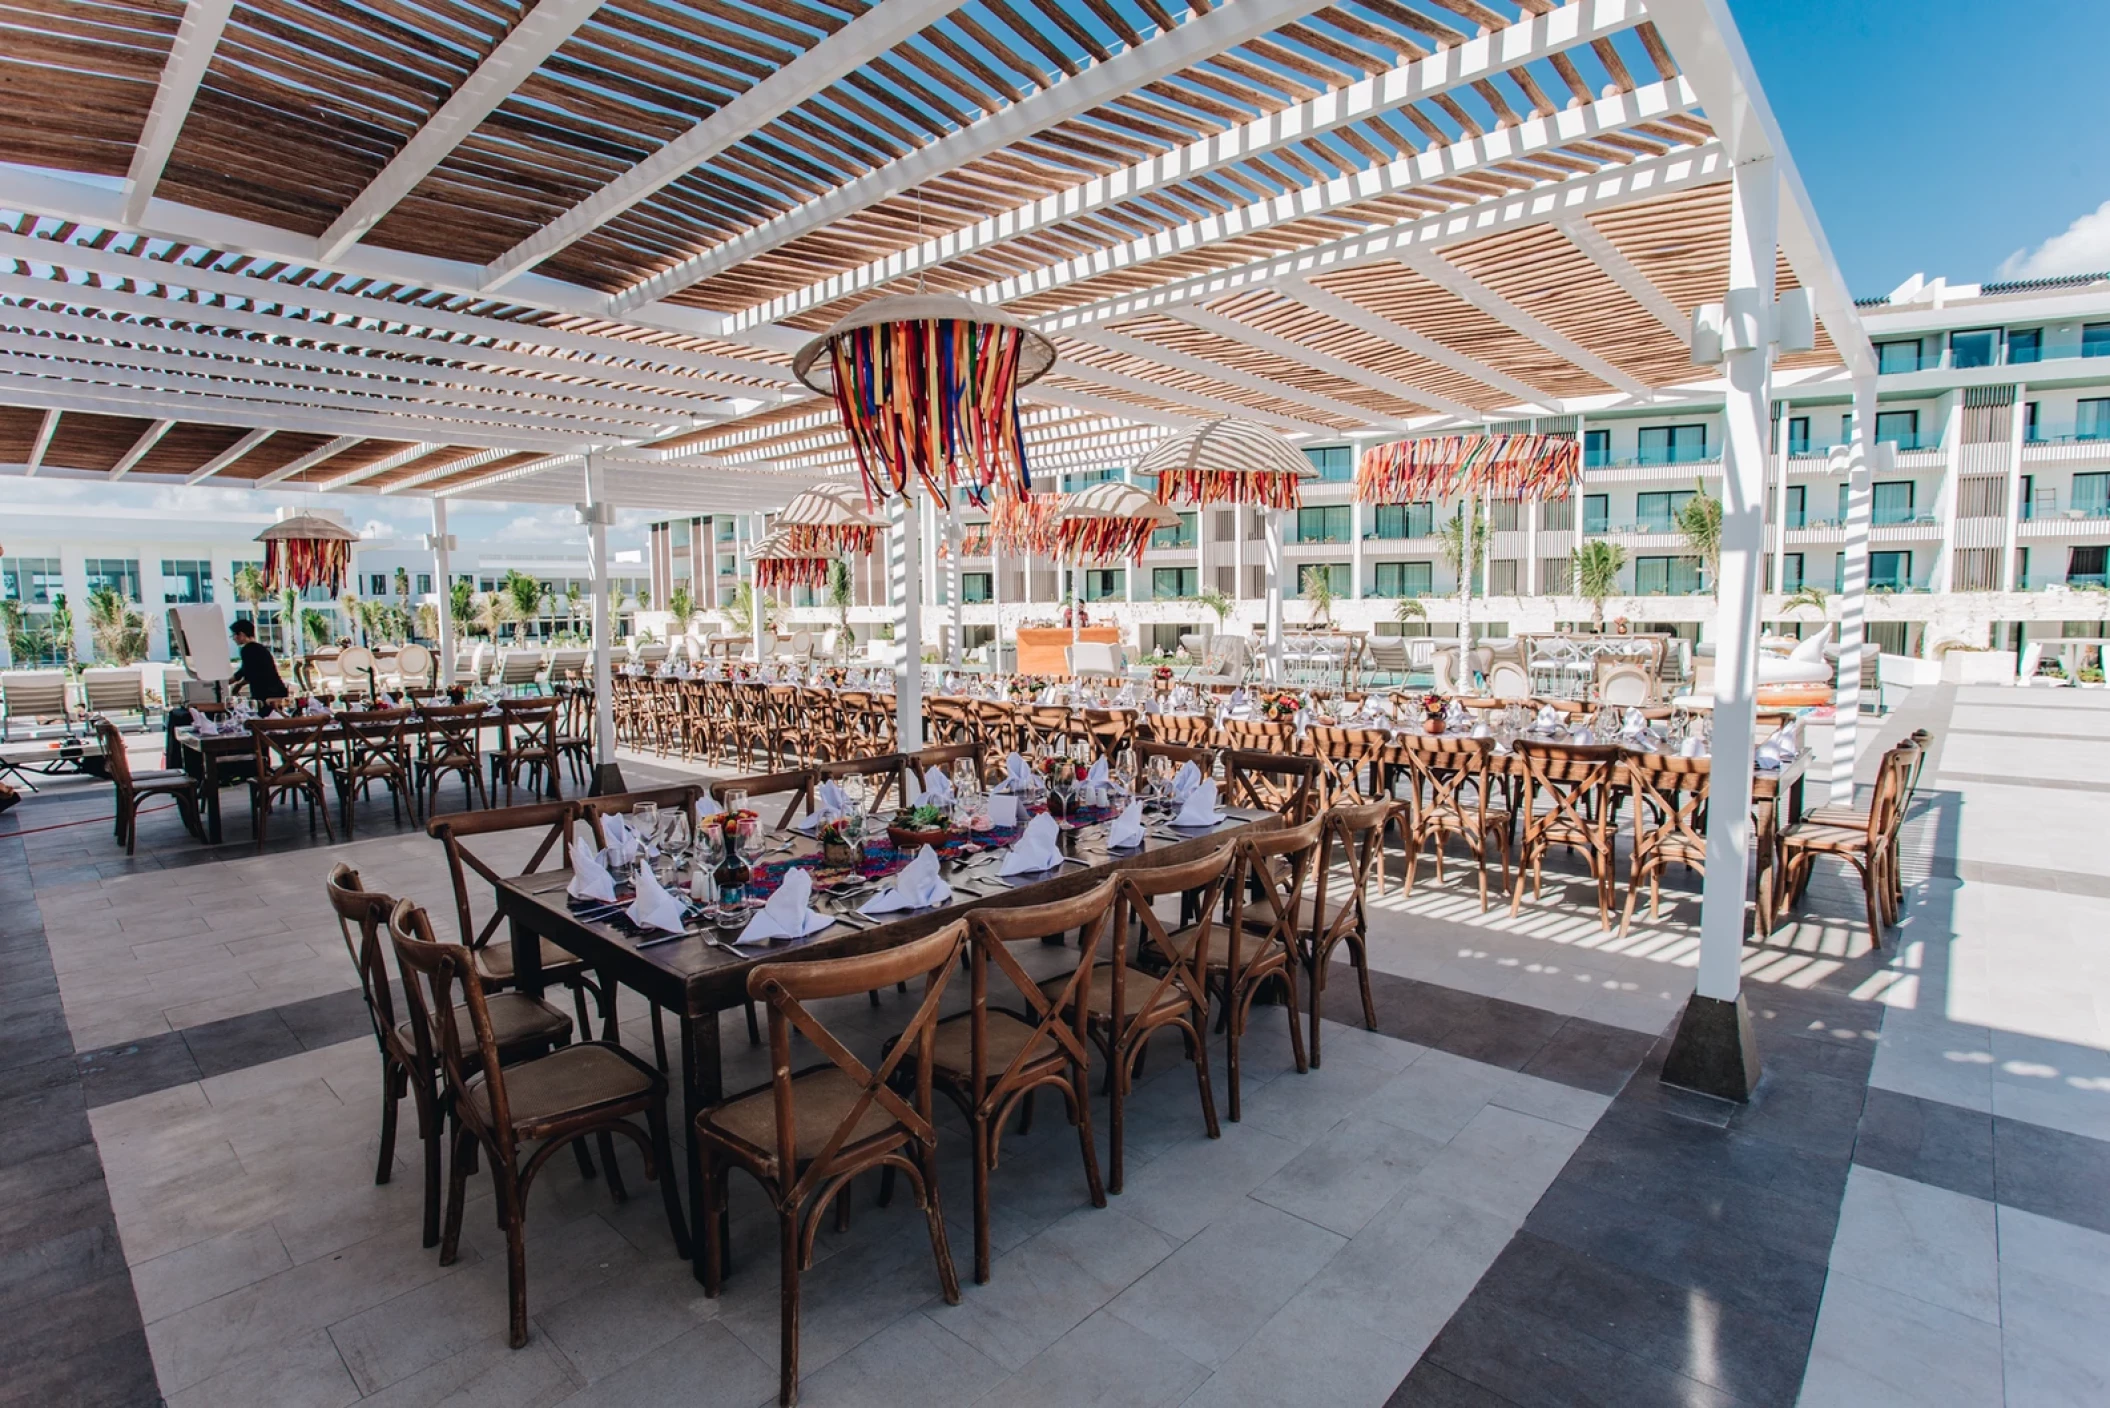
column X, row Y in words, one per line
column 33, row 697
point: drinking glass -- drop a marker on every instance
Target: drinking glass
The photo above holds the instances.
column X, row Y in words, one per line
column 644, row 820
column 735, row 800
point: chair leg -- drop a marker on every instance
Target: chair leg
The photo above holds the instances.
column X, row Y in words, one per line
column 712, row 1230
column 659, row 1037
column 1296, row 1035
column 606, row 1143
column 1315, row 975
column 663, row 1173
column 392, row 1090
column 515, row 1214
column 788, row 1293
column 984, row 1135
column 457, row 1187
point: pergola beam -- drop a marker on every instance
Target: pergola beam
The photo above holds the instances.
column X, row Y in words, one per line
column 1232, row 376
column 1531, row 39
column 1229, row 25
column 197, row 35
column 1463, row 286
column 410, row 454
column 228, row 456
column 147, row 441
column 872, row 33
column 48, row 428
column 518, row 55
column 308, row 461
column 1616, row 267
column 1341, row 310
column 1275, row 345
column 1205, row 407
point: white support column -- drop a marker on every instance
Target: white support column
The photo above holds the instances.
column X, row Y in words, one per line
column 2012, row 543
column 1528, row 511
column 1714, row 1050
column 1779, row 542
column 598, row 513
column 442, row 549
column 1238, row 532
column 1464, row 678
column 996, row 598
column 955, row 576
column 754, row 593
column 907, row 574
column 1853, row 592
column 1273, row 546
column 1943, row 577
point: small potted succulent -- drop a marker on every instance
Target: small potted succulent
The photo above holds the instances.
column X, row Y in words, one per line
column 838, row 848
column 917, row 826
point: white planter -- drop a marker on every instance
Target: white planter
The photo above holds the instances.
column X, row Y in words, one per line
column 1978, row 667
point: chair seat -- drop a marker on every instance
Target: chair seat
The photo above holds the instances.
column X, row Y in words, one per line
column 494, row 961
column 1833, row 839
column 1099, row 998
column 1245, row 949
column 1260, row 911
column 162, row 777
column 1838, row 816
column 568, row 1081
column 516, row 1020
column 820, row 1101
column 953, row 1044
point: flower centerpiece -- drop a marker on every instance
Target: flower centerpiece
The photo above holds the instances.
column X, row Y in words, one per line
column 1280, row 706
column 1432, row 706
column 1026, row 687
column 835, row 675
column 838, row 847
column 917, row 826
column 1162, row 674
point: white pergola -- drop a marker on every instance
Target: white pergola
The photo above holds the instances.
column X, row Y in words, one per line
column 566, row 260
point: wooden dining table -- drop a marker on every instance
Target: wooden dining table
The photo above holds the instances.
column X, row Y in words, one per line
column 699, row 975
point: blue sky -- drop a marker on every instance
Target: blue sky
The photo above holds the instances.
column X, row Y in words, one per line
column 1944, row 136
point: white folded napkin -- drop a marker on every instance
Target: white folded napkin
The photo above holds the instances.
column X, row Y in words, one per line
column 1547, row 718
column 1582, row 735
column 1126, row 830
column 937, row 788
column 828, row 805
column 787, row 915
column 1632, row 722
column 1017, row 776
column 1003, row 810
column 1481, row 730
column 1200, row 807
column 590, row 879
column 1095, row 775
column 1185, row 781
column 1035, row 850
column 654, row 907
column 918, row 886
column 708, row 806
column 1692, row 748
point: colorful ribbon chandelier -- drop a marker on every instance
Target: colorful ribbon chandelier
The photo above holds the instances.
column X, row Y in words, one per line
column 1442, row 466
column 1227, row 462
column 306, row 551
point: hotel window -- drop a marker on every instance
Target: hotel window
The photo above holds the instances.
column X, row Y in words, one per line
column 1893, row 502
column 723, row 529
column 1597, row 448
column 1337, row 576
column 2091, row 419
column 1173, row 583
column 2095, row 340
column 32, row 581
column 1979, row 347
column 1105, row 583
column 1502, row 576
column 974, row 586
column 1798, row 435
column 1335, row 463
column 1557, row 515
column 185, row 581
column 1597, row 513
column 2091, row 494
column 1672, row 444
column 424, row 584
column 377, row 584
column 120, row 574
column 1889, row 571
column 2085, row 566
column 1898, row 356
column 1323, row 525
column 1180, row 537
column 1404, row 579
column 1791, row 572
column 1666, row 576
column 1798, row 506
column 1900, row 428
column 1504, row 517
column 2025, row 345
column 1658, row 512
column 1402, row 520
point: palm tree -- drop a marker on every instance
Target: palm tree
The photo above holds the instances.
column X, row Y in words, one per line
column 839, row 597
column 288, row 620
column 1409, row 608
column 403, row 589
column 1597, row 564
column 681, row 605
column 1318, row 593
column 1807, row 596
column 524, row 594
column 12, row 621
column 573, row 595
column 461, row 606
column 493, row 610
column 62, row 628
column 1699, row 522
column 742, row 607
column 119, row 633
column 315, row 625
column 250, row 587
column 1461, row 539
column 1217, row 602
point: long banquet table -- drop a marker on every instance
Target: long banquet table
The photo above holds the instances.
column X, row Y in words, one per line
column 696, row 977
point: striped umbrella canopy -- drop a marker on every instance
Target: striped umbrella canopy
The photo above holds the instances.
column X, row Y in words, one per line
column 1227, row 461
column 780, row 563
column 830, row 518
column 1109, row 520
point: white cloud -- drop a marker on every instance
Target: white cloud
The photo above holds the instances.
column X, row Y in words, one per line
column 2082, row 248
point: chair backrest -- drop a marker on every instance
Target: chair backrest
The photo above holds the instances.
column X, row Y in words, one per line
column 517, row 667
column 118, row 691
column 1092, row 657
column 1260, row 734
column 444, row 968
column 1350, row 754
column 353, row 662
column 567, row 664
column 294, row 750
column 117, row 762
column 414, row 665
column 1278, row 782
column 1509, row 681
column 798, row 785
column 552, row 820
column 1274, row 864
column 787, row 988
column 880, row 771
column 1670, row 807
column 373, row 738
column 651, row 652
column 1196, row 731
column 362, row 919
column 1452, row 775
column 34, row 694
column 945, row 755
column 1180, row 960
column 1387, row 653
column 682, row 798
column 528, row 725
column 1574, row 778
column 1444, row 665
column 1351, row 835
column 992, row 931
column 1622, row 684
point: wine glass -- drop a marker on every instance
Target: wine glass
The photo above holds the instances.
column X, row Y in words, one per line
column 735, row 801
column 644, row 820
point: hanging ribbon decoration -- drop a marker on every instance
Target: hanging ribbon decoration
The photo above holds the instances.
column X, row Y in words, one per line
column 1025, row 524
column 1444, row 466
column 1227, row 486
column 933, row 400
column 830, row 539
column 774, row 572
column 302, row 563
column 1103, row 539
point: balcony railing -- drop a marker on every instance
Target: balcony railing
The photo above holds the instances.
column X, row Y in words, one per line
column 2082, row 433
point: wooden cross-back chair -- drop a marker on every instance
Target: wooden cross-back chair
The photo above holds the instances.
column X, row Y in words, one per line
column 944, row 755
column 1186, row 730
column 1110, row 730
column 807, row 1133
column 1260, row 940
column 1456, row 793
column 133, row 788
column 988, row 1059
column 881, row 775
column 494, row 961
column 453, row 742
column 1126, row 1003
column 1352, row 839
column 1284, row 783
column 575, row 725
column 533, row 1107
column 1868, row 843
column 527, row 746
column 1670, row 825
column 996, row 721
column 292, row 759
column 951, row 720
column 1257, row 735
column 797, row 785
column 1574, row 781
column 1354, row 760
column 375, row 750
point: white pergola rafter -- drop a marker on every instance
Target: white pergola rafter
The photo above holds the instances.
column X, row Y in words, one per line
column 524, row 49
column 1463, row 286
column 46, row 428
column 1531, row 39
column 1232, row 376
column 1204, row 406
column 447, row 471
column 1229, row 25
column 1490, row 153
column 409, row 454
column 228, row 456
column 1363, row 320
column 1621, row 185
column 874, row 32
column 1620, row 270
column 197, row 36
column 320, row 454
column 147, row 441
column 1341, row 367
